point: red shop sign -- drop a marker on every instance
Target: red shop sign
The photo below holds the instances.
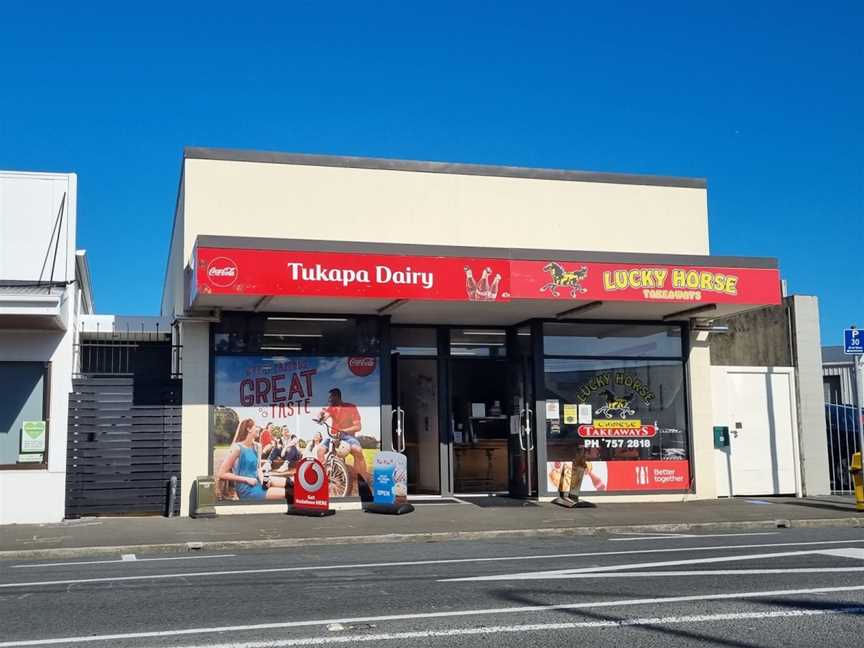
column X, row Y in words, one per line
column 572, row 280
column 232, row 271
column 641, row 432
column 332, row 274
column 648, row 475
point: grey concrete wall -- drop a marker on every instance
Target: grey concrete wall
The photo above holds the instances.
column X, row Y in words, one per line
column 757, row 338
column 807, row 350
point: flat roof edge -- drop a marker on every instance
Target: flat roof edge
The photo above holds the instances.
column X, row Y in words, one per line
column 385, row 164
column 365, row 247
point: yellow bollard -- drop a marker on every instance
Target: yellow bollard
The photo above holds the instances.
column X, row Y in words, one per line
column 858, row 480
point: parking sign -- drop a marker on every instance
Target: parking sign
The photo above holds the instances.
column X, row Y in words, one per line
column 853, row 342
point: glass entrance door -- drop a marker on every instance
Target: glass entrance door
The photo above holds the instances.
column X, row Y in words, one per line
column 480, row 422
column 415, row 421
column 521, row 471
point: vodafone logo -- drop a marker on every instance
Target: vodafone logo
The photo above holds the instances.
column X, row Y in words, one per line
column 361, row 365
column 311, row 483
column 222, row 272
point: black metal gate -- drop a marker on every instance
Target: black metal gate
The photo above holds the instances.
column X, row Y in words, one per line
column 123, row 445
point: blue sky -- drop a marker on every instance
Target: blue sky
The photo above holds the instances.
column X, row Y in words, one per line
column 763, row 99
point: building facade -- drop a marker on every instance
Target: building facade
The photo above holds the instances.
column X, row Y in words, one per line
column 768, row 395
column 44, row 286
column 838, row 377
column 495, row 324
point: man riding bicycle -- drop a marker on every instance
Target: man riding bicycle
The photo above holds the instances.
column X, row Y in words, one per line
column 344, row 424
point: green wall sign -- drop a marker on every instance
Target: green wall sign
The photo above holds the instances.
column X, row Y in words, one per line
column 33, row 436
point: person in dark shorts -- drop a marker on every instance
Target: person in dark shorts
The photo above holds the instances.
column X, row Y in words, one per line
column 345, row 423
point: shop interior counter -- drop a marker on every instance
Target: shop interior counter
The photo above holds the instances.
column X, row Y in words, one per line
column 482, row 457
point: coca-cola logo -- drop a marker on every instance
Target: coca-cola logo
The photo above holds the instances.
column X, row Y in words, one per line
column 362, row 365
column 222, row 272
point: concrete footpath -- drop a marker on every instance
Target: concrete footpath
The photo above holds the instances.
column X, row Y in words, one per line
column 483, row 518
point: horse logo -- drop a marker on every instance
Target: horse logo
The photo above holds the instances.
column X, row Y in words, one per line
column 616, row 405
column 562, row 278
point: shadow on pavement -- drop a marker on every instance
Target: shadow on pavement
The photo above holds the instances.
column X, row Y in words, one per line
column 825, row 505
column 523, row 597
column 856, row 608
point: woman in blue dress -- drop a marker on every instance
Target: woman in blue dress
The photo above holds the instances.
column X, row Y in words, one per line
column 242, row 467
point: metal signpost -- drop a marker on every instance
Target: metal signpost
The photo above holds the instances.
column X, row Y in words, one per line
column 853, row 344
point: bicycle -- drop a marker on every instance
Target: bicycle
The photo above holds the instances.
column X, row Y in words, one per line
column 338, row 472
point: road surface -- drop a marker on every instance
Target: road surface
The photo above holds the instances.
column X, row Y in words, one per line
column 791, row 587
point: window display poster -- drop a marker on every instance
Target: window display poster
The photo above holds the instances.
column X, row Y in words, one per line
column 571, row 416
column 270, row 412
column 616, row 476
column 33, row 436
column 585, row 413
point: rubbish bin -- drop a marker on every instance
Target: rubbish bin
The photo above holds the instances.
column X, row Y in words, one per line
column 205, row 498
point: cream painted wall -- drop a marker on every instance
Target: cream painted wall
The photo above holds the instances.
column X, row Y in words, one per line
column 195, row 453
column 172, row 288
column 701, row 416
column 330, row 203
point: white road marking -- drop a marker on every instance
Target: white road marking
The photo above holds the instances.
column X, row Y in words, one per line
column 723, row 572
column 410, row 563
column 127, row 557
column 669, row 536
column 538, row 627
column 845, row 553
column 107, row 562
column 654, row 533
column 429, row 615
column 555, row 574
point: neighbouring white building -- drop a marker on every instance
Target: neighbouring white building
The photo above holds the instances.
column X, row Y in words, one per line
column 44, row 286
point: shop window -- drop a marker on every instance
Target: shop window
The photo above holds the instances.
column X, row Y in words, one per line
column 523, row 341
column 623, row 419
column 272, row 411
column 414, row 341
column 285, row 388
column 23, row 425
column 478, row 342
column 245, row 333
column 612, row 339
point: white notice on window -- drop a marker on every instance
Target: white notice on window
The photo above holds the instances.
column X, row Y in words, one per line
column 553, row 411
column 585, row 413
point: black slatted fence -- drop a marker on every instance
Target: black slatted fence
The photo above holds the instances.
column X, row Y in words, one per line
column 123, row 446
